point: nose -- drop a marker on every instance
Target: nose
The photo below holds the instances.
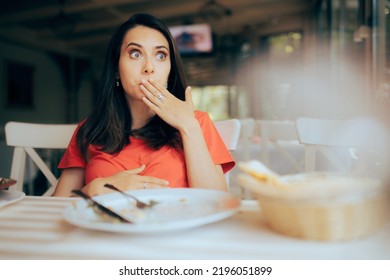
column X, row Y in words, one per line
column 148, row 67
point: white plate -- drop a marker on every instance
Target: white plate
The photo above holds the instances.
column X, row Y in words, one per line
column 176, row 209
column 8, row 197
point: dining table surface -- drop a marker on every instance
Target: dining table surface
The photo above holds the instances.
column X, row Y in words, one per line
column 34, row 228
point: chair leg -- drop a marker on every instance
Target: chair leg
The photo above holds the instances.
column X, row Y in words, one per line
column 18, row 168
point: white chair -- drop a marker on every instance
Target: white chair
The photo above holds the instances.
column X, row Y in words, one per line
column 25, row 138
column 246, row 138
column 229, row 130
column 356, row 145
column 281, row 138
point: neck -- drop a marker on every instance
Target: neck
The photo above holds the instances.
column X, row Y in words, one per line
column 140, row 114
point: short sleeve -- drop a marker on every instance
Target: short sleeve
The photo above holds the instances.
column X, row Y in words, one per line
column 218, row 151
column 72, row 156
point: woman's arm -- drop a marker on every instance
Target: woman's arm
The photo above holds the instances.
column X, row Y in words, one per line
column 73, row 178
column 201, row 170
column 70, row 179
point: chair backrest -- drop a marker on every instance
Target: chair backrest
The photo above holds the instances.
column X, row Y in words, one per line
column 26, row 137
column 282, row 137
column 229, row 130
column 344, row 144
column 246, row 137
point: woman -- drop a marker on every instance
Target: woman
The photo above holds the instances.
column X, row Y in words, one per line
column 144, row 131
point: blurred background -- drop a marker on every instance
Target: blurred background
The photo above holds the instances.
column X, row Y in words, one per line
column 266, row 59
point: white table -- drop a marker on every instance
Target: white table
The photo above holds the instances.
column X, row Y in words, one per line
column 33, row 228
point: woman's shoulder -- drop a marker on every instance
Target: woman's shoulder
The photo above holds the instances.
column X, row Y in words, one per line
column 79, row 125
column 82, row 121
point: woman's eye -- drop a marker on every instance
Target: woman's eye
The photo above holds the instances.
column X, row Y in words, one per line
column 135, row 54
column 161, row 56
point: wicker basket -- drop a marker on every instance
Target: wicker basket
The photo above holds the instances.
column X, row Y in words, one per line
column 328, row 221
column 315, row 213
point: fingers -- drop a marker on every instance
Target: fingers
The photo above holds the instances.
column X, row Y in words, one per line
column 136, row 181
column 136, row 170
column 168, row 107
column 146, row 185
column 153, row 181
column 153, row 91
column 188, row 93
column 149, row 182
column 127, row 180
column 154, row 86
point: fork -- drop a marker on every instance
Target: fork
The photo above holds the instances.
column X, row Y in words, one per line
column 139, row 204
column 97, row 206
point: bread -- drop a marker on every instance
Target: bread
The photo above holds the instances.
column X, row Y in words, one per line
column 317, row 185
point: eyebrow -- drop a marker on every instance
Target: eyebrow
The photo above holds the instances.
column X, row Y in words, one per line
column 140, row 46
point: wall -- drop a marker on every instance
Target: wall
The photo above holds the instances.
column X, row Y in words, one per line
column 49, row 95
column 50, row 101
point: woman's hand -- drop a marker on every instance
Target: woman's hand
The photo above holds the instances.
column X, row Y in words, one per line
column 201, row 170
column 177, row 113
column 125, row 180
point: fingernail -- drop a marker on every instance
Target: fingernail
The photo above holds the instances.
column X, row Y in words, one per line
column 143, row 81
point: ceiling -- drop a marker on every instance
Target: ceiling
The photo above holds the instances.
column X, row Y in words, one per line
column 84, row 27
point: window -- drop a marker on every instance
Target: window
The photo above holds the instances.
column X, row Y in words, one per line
column 212, row 99
column 19, row 85
column 221, row 102
column 281, row 70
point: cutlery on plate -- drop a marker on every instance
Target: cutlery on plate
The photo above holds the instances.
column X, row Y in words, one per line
column 139, row 204
column 101, row 208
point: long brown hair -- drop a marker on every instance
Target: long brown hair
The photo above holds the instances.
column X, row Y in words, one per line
column 109, row 125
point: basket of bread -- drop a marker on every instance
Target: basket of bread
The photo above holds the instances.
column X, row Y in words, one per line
column 319, row 205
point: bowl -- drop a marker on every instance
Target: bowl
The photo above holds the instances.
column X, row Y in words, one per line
column 322, row 206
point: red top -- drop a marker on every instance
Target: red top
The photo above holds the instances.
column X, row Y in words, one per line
column 166, row 163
